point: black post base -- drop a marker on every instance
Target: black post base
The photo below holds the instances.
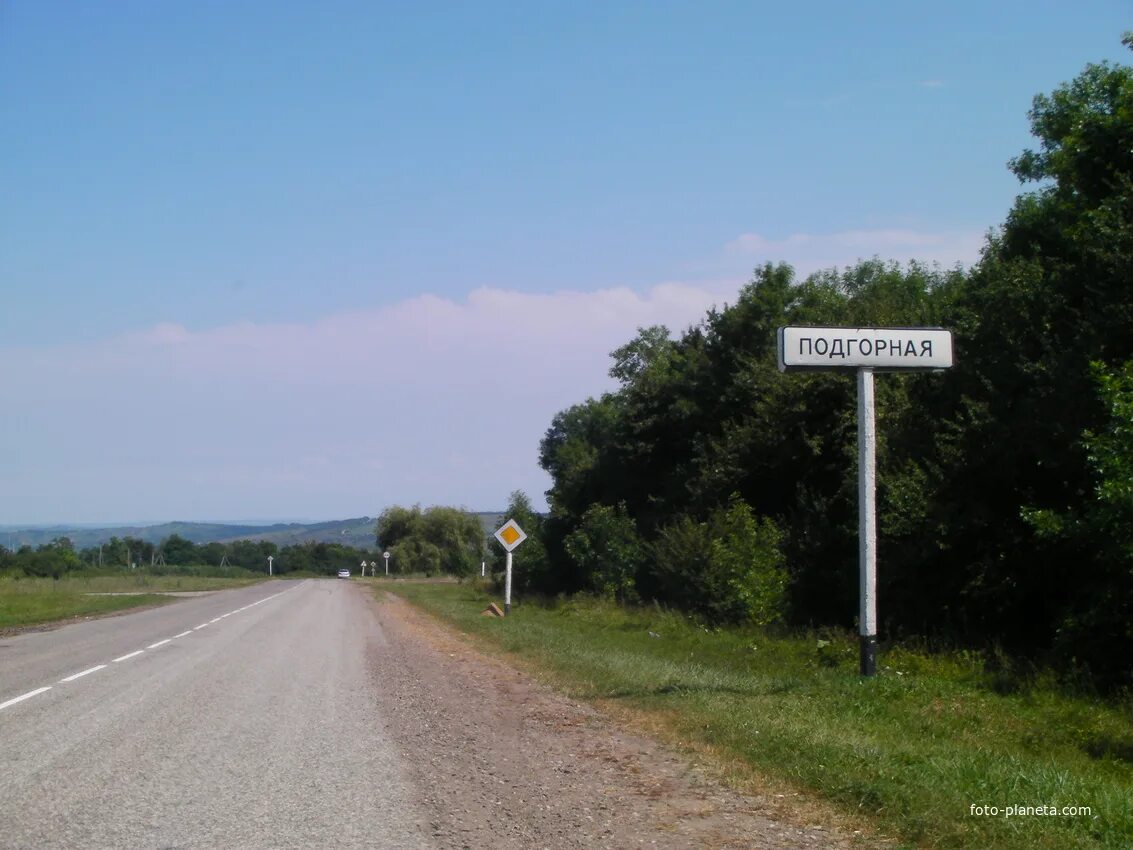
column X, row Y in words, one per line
column 869, row 655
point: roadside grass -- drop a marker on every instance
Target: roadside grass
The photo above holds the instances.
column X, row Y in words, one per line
column 29, row 601
column 913, row 749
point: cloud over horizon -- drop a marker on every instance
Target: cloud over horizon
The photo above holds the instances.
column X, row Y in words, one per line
column 426, row 400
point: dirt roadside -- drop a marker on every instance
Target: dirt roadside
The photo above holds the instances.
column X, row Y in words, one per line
column 504, row 762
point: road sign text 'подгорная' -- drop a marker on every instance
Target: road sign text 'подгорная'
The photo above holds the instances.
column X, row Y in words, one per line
column 880, row 349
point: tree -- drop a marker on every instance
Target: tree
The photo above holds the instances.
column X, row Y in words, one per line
column 1096, row 629
column 728, row 568
column 397, row 523
column 1050, row 296
column 608, row 551
column 177, row 550
column 459, row 537
column 438, row 540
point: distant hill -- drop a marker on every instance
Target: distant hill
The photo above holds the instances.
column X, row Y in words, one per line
column 358, row 532
column 490, row 521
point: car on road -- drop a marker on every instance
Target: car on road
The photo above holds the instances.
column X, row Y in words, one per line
column 344, row 573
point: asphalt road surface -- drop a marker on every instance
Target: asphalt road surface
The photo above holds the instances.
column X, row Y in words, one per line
column 244, row 718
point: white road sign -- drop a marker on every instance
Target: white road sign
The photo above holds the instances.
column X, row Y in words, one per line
column 865, row 351
column 880, row 349
column 510, row 535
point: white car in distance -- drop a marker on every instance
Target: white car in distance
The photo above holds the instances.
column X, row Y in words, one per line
column 344, row 573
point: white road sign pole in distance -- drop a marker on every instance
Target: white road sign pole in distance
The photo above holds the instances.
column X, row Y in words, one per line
column 386, row 556
column 865, row 351
column 510, row 535
column 269, row 565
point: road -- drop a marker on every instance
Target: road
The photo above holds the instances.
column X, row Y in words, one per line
column 244, row 718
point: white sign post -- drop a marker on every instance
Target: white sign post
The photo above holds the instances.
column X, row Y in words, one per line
column 510, row 535
column 386, row 556
column 270, row 559
column 363, row 569
column 865, row 351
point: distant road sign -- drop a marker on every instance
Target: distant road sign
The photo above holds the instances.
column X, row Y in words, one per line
column 880, row 349
column 510, row 535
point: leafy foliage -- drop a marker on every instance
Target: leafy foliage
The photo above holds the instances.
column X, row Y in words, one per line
column 608, row 551
column 434, row 541
column 992, row 478
column 728, row 568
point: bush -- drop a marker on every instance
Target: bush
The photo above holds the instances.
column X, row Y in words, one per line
column 728, row 569
column 607, row 551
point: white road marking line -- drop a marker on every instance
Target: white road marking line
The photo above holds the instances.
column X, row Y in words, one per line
column 137, row 652
column 214, row 619
column 74, row 676
column 23, row 697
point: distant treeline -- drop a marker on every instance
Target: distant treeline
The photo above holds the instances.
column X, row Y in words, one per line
column 711, row 481
column 60, row 556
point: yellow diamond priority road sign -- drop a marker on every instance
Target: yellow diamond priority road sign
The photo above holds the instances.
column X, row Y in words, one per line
column 510, row 535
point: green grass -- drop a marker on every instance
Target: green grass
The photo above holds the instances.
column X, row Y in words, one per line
column 913, row 749
column 36, row 601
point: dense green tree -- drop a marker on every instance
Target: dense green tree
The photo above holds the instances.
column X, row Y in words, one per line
column 438, row 540
column 1096, row 627
column 211, row 553
column 459, row 537
column 608, row 551
column 252, row 554
column 728, row 568
column 177, row 550
column 1051, row 295
column 398, row 523
column 416, row 555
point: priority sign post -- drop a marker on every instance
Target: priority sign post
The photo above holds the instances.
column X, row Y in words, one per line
column 510, row 535
column 865, row 351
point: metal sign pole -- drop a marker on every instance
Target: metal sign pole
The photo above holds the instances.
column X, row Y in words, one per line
column 507, row 587
column 867, row 523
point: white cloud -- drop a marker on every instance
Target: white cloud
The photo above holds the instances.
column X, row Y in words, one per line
column 809, row 252
column 429, row 400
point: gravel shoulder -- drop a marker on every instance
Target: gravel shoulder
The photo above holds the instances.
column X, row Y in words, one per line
column 504, row 762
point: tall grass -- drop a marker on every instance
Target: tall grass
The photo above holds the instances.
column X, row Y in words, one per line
column 915, row 748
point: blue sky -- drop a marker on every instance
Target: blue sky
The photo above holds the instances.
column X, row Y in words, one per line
column 310, row 259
